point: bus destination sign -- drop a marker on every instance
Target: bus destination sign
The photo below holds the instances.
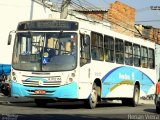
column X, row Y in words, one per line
column 48, row 25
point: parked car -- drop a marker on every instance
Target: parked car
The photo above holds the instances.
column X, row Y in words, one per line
column 157, row 102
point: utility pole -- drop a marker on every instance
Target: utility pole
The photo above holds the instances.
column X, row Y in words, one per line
column 32, row 9
column 64, row 9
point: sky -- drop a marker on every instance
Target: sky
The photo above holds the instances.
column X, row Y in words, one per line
column 143, row 11
column 144, row 15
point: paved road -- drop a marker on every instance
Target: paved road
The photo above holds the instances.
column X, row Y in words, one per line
column 76, row 110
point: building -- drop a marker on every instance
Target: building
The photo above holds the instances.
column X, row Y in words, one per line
column 12, row 12
column 119, row 15
column 149, row 32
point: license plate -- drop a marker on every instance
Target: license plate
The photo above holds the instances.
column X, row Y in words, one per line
column 40, row 92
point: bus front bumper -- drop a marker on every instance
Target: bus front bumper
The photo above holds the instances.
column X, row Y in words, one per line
column 69, row 91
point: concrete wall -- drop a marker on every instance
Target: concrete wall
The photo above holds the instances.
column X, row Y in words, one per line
column 13, row 11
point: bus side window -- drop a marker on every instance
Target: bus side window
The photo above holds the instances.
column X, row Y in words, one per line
column 144, row 57
column 85, row 49
column 108, row 48
column 119, row 51
column 136, row 55
column 97, row 46
column 151, row 60
column 128, row 53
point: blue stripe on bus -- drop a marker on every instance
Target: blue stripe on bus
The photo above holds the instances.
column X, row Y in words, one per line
column 124, row 73
column 105, row 77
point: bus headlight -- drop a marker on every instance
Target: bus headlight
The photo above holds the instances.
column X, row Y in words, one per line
column 73, row 74
column 13, row 73
column 14, row 77
column 70, row 78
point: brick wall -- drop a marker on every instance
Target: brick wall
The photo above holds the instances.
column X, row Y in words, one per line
column 155, row 35
column 96, row 14
column 122, row 18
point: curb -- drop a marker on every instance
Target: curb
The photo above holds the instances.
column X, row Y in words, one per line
column 4, row 102
column 9, row 100
column 151, row 102
column 141, row 102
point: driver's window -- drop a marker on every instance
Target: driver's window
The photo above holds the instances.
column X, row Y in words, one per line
column 85, row 49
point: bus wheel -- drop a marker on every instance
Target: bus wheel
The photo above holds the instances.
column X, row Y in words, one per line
column 40, row 102
column 92, row 101
column 125, row 101
column 158, row 110
column 135, row 99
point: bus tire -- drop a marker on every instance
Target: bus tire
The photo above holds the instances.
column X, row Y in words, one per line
column 135, row 99
column 93, row 98
column 40, row 102
column 125, row 101
column 157, row 110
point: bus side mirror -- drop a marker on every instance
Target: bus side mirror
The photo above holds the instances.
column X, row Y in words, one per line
column 9, row 39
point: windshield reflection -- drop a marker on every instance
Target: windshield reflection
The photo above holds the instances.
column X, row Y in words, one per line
column 54, row 51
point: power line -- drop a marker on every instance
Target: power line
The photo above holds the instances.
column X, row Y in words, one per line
column 103, row 17
column 79, row 6
column 148, row 21
column 84, row 6
column 90, row 4
column 143, row 9
column 122, row 26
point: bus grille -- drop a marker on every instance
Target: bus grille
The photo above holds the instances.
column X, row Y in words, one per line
column 41, row 83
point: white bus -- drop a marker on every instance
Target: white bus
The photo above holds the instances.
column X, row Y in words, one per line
column 70, row 60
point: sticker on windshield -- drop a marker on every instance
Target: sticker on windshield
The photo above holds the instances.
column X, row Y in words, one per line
column 45, row 60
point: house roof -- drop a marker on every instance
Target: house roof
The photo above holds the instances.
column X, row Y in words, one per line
column 91, row 10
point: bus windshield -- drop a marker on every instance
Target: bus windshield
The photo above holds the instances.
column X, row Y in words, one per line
column 45, row 51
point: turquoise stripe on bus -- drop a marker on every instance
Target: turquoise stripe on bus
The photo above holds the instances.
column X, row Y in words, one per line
column 69, row 91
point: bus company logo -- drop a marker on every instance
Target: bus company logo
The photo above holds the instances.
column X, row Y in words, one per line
column 40, row 82
column 126, row 77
